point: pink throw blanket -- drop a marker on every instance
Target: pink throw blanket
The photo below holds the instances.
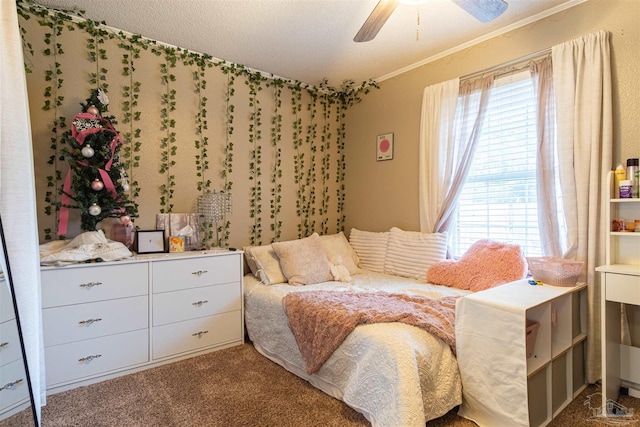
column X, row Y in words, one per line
column 321, row 320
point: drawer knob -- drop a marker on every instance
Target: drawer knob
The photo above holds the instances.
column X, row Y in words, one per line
column 3, row 345
column 89, row 321
column 89, row 358
column 199, row 303
column 7, row 386
column 200, row 334
column 199, row 272
column 90, row 285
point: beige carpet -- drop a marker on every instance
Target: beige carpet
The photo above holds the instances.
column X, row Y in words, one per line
column 232, row 387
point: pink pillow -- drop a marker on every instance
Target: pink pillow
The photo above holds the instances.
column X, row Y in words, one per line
column 486, row 264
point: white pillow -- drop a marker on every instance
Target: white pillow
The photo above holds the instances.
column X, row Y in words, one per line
column 264, row 264
column 336, row 246
column 411, row 253
column 303, row 261
column 371, row 248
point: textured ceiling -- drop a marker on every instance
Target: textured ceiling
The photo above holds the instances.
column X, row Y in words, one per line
column 309, row 40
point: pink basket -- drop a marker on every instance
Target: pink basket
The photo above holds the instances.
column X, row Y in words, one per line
column 555, row 271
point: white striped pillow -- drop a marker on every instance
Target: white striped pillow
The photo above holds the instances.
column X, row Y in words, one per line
column 371, row 248
column 411, row 253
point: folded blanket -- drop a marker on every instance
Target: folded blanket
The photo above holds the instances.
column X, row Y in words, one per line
column 321, row 320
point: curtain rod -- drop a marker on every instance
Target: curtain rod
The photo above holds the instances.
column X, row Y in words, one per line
column 510, row 66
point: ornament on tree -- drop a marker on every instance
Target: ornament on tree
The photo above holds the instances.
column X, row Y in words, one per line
column 87, row 151
column 95, row 210
column 84, row 121
column 92, row 147
column 93, row 110
column 97, row 185
column 123, row 181
column 124, row 219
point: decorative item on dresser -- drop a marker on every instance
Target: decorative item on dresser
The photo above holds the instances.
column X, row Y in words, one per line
column 185, row 225
column 213, row 207
column 109, row 319
column 96, row 182
column 620, row 289
column 150, row 241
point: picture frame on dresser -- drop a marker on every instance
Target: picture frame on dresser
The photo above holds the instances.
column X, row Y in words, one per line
column 150, row 242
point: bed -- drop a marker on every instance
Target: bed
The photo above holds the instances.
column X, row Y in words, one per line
column 394, row 373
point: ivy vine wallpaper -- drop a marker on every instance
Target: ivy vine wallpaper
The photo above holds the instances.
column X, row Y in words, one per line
column 189, row 125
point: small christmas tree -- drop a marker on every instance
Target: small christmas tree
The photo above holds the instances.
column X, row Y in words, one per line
column 96, row 182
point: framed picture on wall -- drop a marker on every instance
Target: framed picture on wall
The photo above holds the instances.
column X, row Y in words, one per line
column 150, row 241
column 384, row 147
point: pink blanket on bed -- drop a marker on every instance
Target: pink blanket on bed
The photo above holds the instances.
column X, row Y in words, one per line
column 321, row 320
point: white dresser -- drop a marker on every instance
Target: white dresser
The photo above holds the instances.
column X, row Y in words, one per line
column 197, row 303
column 14, row 390
column 107, row 319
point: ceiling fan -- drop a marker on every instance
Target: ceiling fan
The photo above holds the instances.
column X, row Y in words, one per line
column 482, row 10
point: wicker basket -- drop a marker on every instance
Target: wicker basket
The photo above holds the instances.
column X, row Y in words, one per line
column 555, row 271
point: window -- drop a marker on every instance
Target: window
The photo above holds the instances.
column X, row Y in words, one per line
column 499, row 199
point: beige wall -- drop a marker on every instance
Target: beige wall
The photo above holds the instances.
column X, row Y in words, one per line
column 378, row 194
column 312, row 170
column 385, row 194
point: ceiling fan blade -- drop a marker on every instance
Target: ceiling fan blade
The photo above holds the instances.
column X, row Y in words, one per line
column 376, row 20
column 483, row 10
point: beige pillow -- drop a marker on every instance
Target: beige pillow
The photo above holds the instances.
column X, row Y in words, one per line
column 264, row 264
column 411, row 253
column 250, row 261
column 371, row 248
column 336, row 246
column 303, row 261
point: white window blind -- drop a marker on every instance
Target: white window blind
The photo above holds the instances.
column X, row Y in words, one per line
column 498, row 200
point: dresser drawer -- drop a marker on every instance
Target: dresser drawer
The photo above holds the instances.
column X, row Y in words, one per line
column 6, row 303
column 623, row 288
column 82, row 359
column 9, row 343
column 12, row 376
column 92, row 320
column 189, row 335
column 173, row 275
column 176, row 306
column 63, row 285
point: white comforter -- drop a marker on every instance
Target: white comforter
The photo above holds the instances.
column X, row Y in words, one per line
column 394, row 374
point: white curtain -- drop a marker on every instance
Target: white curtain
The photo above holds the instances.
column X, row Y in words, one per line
column 17, row 195
column 582, row 80
column 447, row 146
column 551, row 238
column 436, row 130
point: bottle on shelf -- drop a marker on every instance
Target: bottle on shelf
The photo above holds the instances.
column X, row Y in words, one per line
column 620, row 175
column 632, row 171
column 626, row 189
